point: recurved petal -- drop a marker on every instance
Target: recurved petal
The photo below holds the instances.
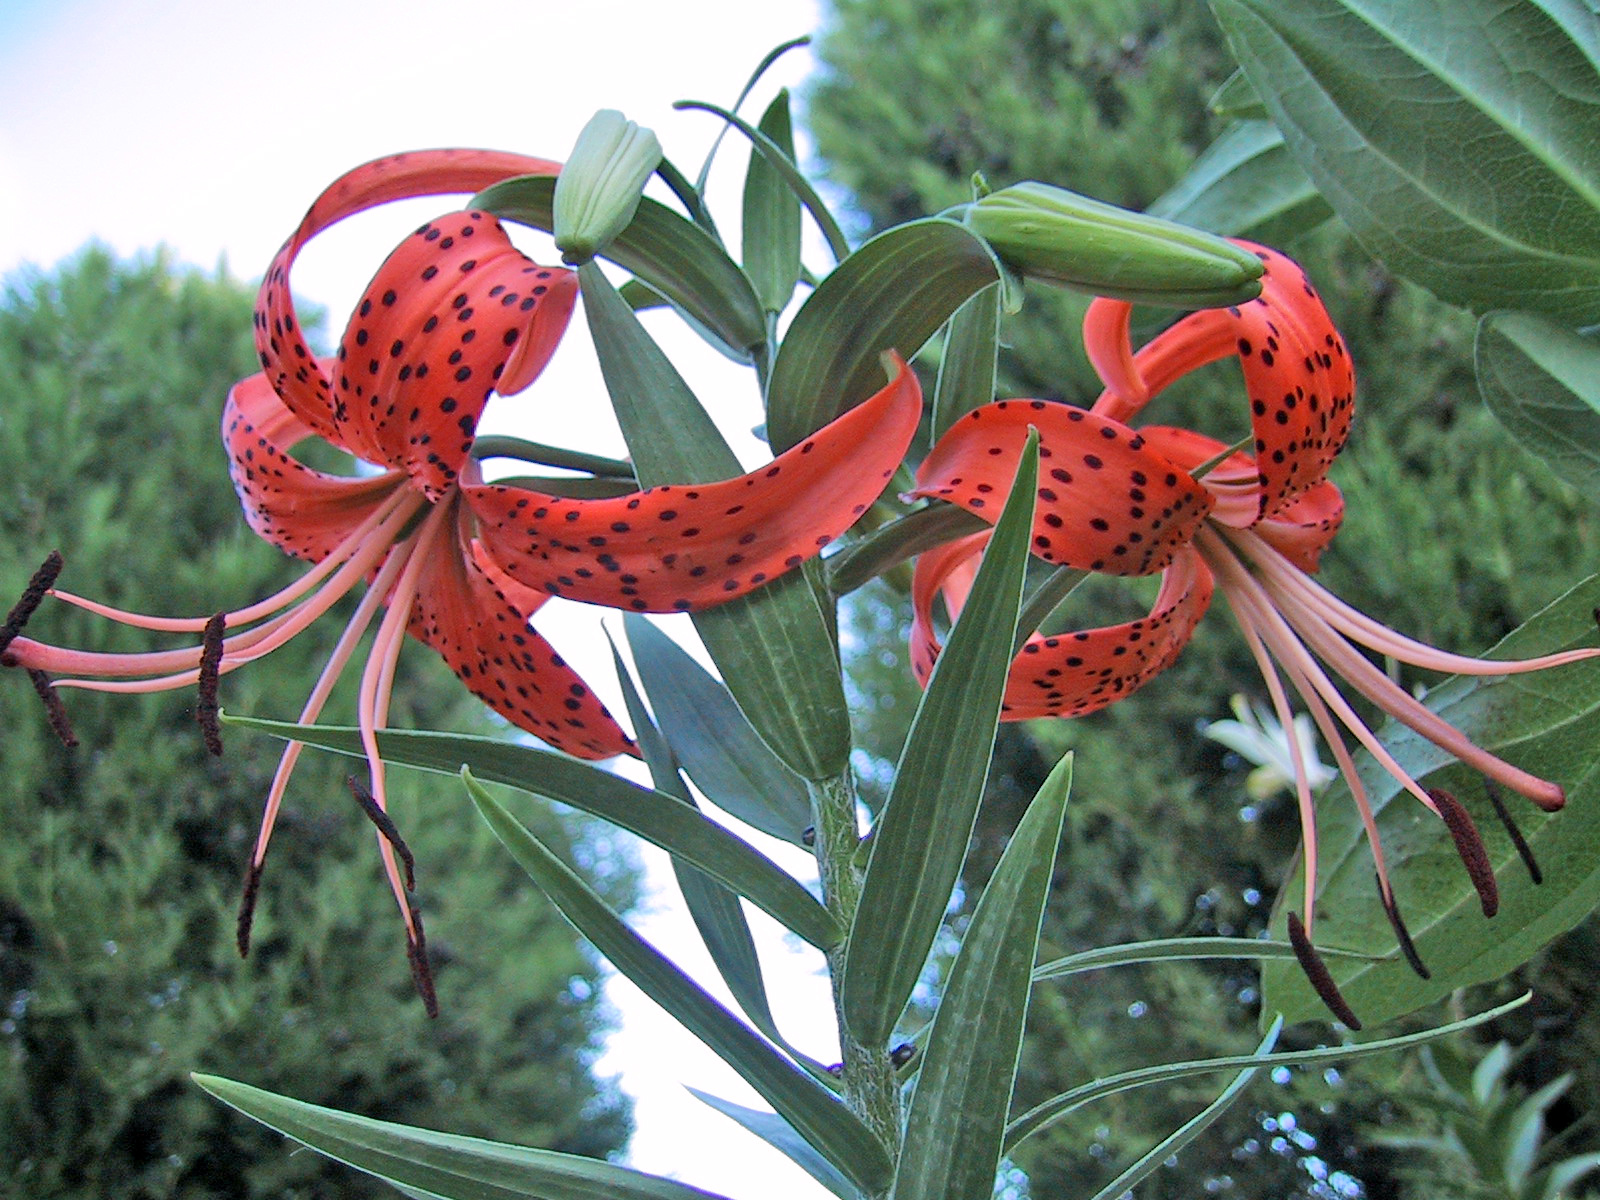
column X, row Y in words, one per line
column 1304, row 527
column 287, row 360
column 304, row 512
column 455, row 312
column 1107, row 501
column 681, row 547
column 477, row 620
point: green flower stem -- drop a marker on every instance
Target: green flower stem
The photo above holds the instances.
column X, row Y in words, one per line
column 868, row 1075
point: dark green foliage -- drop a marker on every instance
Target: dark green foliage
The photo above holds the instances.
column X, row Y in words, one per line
column 120, row 861
column 1453, row 534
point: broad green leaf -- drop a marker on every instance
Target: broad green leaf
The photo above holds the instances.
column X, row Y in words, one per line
column 770, row 234
column 1173, row 949
column 1543, row 382
column 1057, row 1107
column 1168, row 1146
column 673, row 255
column 780, row 1135
column 445, row 1164
column 1456, row 140
column 921, row 837
column 713, row 741
column 814, row 1112
column 967, row 367
column 901, row 539
column 657, row 818
column 714, row 909
column 772, row 646
column 957, row 1120
column 1547, row 722
column 893, row 293
column 1246, row 185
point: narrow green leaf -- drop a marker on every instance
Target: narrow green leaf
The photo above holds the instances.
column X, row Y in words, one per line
column 1456, row 140
column 780, row 1135
column 893, row 293
column 1237, row 99
column 673, row 255
column 500, row 446
column 770, row 235
column 718, row 747
column 1548, row 722
column 772, row 646
column 1247, row 185
column 967, row 367
column 1543, row 382
column 901, row 539
column 814, row 1112
column 783, row 165
column 762, row 67
column 1150, row 1160
column 1173, row 949
column 957, row 1122
column 659, row 819
column 921, row 837
column 714, row 909
column 1057, row 1107
column 445, row 1164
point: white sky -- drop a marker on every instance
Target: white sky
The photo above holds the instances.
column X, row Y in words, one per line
column 209, row 127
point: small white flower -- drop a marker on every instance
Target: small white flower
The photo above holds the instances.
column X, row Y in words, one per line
column 1257, row 737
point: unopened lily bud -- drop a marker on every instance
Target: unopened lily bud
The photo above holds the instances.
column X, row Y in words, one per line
column 1050, row 233
column 598, row 189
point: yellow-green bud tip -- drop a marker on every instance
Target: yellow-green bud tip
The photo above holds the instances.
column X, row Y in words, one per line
column 598, row 190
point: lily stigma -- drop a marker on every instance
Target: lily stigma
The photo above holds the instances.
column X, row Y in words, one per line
column 1253, row 521
column 455, row 314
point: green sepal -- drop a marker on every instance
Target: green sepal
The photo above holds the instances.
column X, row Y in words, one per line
column 921, row 836
column 445, row 1165
column 770, row 233
column 956, row 1125
column 814, row 1112
column 659, row 819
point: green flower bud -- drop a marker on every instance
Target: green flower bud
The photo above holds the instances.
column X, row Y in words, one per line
column 1050, row 233
column 598, row 190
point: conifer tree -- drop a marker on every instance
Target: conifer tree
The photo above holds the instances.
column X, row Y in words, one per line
column 120, row 861
column 1109, row 97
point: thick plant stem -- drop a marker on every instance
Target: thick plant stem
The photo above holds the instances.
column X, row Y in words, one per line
column 868, row 1075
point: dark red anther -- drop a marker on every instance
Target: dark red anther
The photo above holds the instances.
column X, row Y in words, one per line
column 1401, row 933
column 1524, row 851
column 32, row 596
column 1317, row 973
column 205, row 708
column 54, row 710
column 387, row 828
column 247, row 907
column 1469, row 845
column 417, row 957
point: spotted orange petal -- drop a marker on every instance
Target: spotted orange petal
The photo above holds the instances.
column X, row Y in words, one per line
column 455, row 312
column 680, row 547
column 1107, row 501
column 287, row 360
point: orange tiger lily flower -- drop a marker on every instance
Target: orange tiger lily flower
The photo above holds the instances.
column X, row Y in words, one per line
column 455, row 314
column 1253, row 523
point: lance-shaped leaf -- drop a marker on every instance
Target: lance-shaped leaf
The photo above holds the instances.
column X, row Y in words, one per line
column 957, row 1121
column 1549, row 721
column 713, row 741
column 714, row 909
column 967, row 367
column 445, row 1164
column 1175, row 949
column 1048, row 1113
column 1237, row 99
column 771, row 230
column 780, row 1135
column 673, row 255
column 893, row 293
column 772, row 647
column 1456, row 140
column 1247, row 185
column 659, row 819
column 814, row 1112
column 921, row 839
column 1543, row 382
